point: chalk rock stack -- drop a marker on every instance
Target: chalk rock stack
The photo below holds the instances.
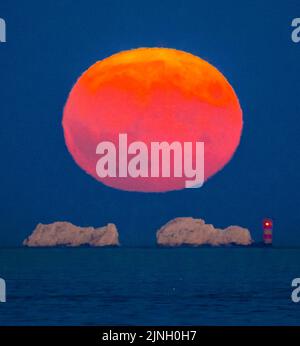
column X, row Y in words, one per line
column 67, row 234
column 195, row 232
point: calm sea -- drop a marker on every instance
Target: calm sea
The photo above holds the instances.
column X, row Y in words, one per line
column 149, row 286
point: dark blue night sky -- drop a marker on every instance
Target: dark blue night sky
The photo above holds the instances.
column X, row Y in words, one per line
column 50, row 43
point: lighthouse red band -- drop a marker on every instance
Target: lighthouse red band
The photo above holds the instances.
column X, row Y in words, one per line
column 268, row 231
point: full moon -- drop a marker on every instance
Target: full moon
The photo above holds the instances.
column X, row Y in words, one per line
column 152, row 95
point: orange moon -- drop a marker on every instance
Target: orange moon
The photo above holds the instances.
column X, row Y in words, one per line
column 152, row 94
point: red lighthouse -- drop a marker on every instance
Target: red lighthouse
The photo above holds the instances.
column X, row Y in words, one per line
column 268, row 231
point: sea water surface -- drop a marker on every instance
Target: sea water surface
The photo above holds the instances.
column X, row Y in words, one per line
column 149, row 286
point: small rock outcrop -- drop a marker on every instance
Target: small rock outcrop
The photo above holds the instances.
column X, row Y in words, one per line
column 195, row 232
column 67, row 234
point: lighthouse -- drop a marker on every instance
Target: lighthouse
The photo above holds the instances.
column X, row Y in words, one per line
column 268, row 231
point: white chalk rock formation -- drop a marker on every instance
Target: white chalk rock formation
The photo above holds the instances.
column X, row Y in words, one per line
column 67, row 234
column 195, row 232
